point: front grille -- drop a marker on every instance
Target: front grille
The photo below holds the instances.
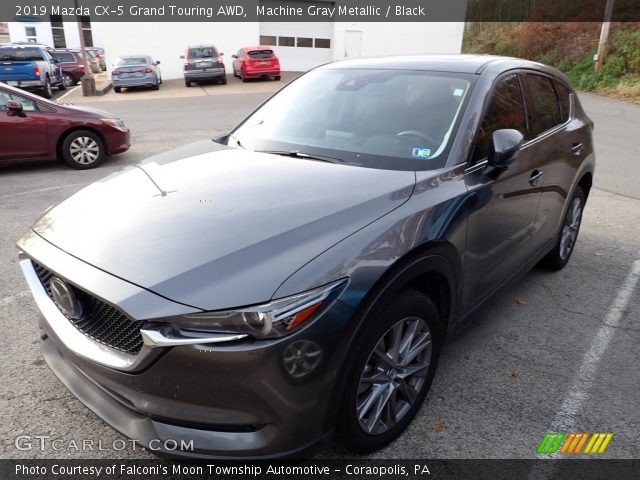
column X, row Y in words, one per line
column 100, row 321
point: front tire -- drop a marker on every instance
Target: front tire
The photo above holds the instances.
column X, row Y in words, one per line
column 83, row 150
column 391, row 372
column 560, row 255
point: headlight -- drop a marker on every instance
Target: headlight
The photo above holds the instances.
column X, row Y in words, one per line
column 275, row 319
column 115, row 123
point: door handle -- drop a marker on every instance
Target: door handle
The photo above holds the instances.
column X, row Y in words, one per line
column 576, row 148
column 534, row 179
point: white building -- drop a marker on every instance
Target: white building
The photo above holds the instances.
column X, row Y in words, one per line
column 300, row 46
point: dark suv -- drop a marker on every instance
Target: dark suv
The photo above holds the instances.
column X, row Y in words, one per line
column 296, row 279
column 203, row 63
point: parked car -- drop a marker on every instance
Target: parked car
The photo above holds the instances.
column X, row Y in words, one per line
column 71, row 63
column 34, row 128
column 296, row 279
column 256, row 62
column 93, row 61
column 99, row 55
column 203, row 63
column 31, row 67
column 135, row 71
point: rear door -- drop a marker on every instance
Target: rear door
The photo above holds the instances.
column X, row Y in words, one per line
column 23, row 136
column 501, row 222
column 558, row 145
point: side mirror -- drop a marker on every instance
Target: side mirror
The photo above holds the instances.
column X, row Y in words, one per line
column 182, row 57
column 234, row 56
column 158, row 62
column 504, row 147
column 15, row 107
column 221, row 54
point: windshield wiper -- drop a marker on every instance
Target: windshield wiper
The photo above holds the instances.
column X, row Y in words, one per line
column 297, row 154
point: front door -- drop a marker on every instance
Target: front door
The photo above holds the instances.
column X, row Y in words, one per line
column 22, row 136
column 501, row 222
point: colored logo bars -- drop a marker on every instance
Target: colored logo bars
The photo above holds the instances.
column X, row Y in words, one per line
column 574, row 442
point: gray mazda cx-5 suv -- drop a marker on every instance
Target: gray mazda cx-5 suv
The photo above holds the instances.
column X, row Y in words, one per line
column 295, row 279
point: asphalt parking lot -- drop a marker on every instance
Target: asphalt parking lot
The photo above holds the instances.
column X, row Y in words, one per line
column 556, row 352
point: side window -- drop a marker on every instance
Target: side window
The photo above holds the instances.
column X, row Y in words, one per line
column 4, row 100
column 27, row 105
column 565, row 101
column 506, row 110
column 544, row 113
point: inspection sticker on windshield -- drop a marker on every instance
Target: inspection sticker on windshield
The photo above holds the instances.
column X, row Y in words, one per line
column 421, row 152
column 458, row 92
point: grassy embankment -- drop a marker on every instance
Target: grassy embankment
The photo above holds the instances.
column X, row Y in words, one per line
column 570, row 47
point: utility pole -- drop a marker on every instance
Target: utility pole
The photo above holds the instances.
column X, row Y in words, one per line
column 604, row 35
column 88, row 82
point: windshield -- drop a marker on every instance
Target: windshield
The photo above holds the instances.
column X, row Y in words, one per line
column 397, row 119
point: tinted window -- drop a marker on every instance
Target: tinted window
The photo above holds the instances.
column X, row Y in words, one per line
column 286, row 41
column 506, row 110
column 203, row 52
column 565, row 101
column 20, row 54
column 27, row 105
column 261, row 54
column 65, row 57
column 131, row 61
column 268, row 40
column 545, row 110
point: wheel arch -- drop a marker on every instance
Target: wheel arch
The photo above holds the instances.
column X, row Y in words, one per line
column 434, row 269
column 63, row 136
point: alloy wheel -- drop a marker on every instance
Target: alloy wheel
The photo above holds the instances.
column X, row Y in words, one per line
column 84, row 150
column 570, row 228
column 394, row 375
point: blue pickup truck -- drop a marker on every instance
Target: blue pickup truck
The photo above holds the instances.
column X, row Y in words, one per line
column 30, row 67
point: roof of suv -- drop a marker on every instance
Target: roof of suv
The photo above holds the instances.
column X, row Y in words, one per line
column 442, row 63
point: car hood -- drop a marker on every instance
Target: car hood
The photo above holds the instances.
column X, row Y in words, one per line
column 220, row 229
column 94, row 112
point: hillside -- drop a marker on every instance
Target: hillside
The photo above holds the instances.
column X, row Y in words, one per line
column 570, row 47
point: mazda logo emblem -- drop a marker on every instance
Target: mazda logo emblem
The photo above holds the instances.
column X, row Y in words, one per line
column 64, row 298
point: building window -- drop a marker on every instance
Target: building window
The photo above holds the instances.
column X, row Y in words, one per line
column 4, row 32
column 57, row 30
column 286, row 41
column 304, row 42
column 85, row 22
column 30, row 33
column 268, row 40
column 322, row 43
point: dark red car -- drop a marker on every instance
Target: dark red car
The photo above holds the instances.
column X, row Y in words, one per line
column 34, row 128
column 256, row 62
column 71, row 63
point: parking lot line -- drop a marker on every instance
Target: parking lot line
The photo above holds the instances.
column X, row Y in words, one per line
column 17, row 194
column 574, row 400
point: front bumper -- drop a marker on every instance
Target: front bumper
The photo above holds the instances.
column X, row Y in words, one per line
column 232, row 400
column 117, row 141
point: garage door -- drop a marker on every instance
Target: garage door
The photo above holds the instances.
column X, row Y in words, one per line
column 300, row 46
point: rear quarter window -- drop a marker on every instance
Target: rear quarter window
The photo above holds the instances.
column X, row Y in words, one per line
column 565, row 101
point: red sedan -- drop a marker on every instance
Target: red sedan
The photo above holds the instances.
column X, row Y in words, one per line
column 34, row 128
column 256, row 62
